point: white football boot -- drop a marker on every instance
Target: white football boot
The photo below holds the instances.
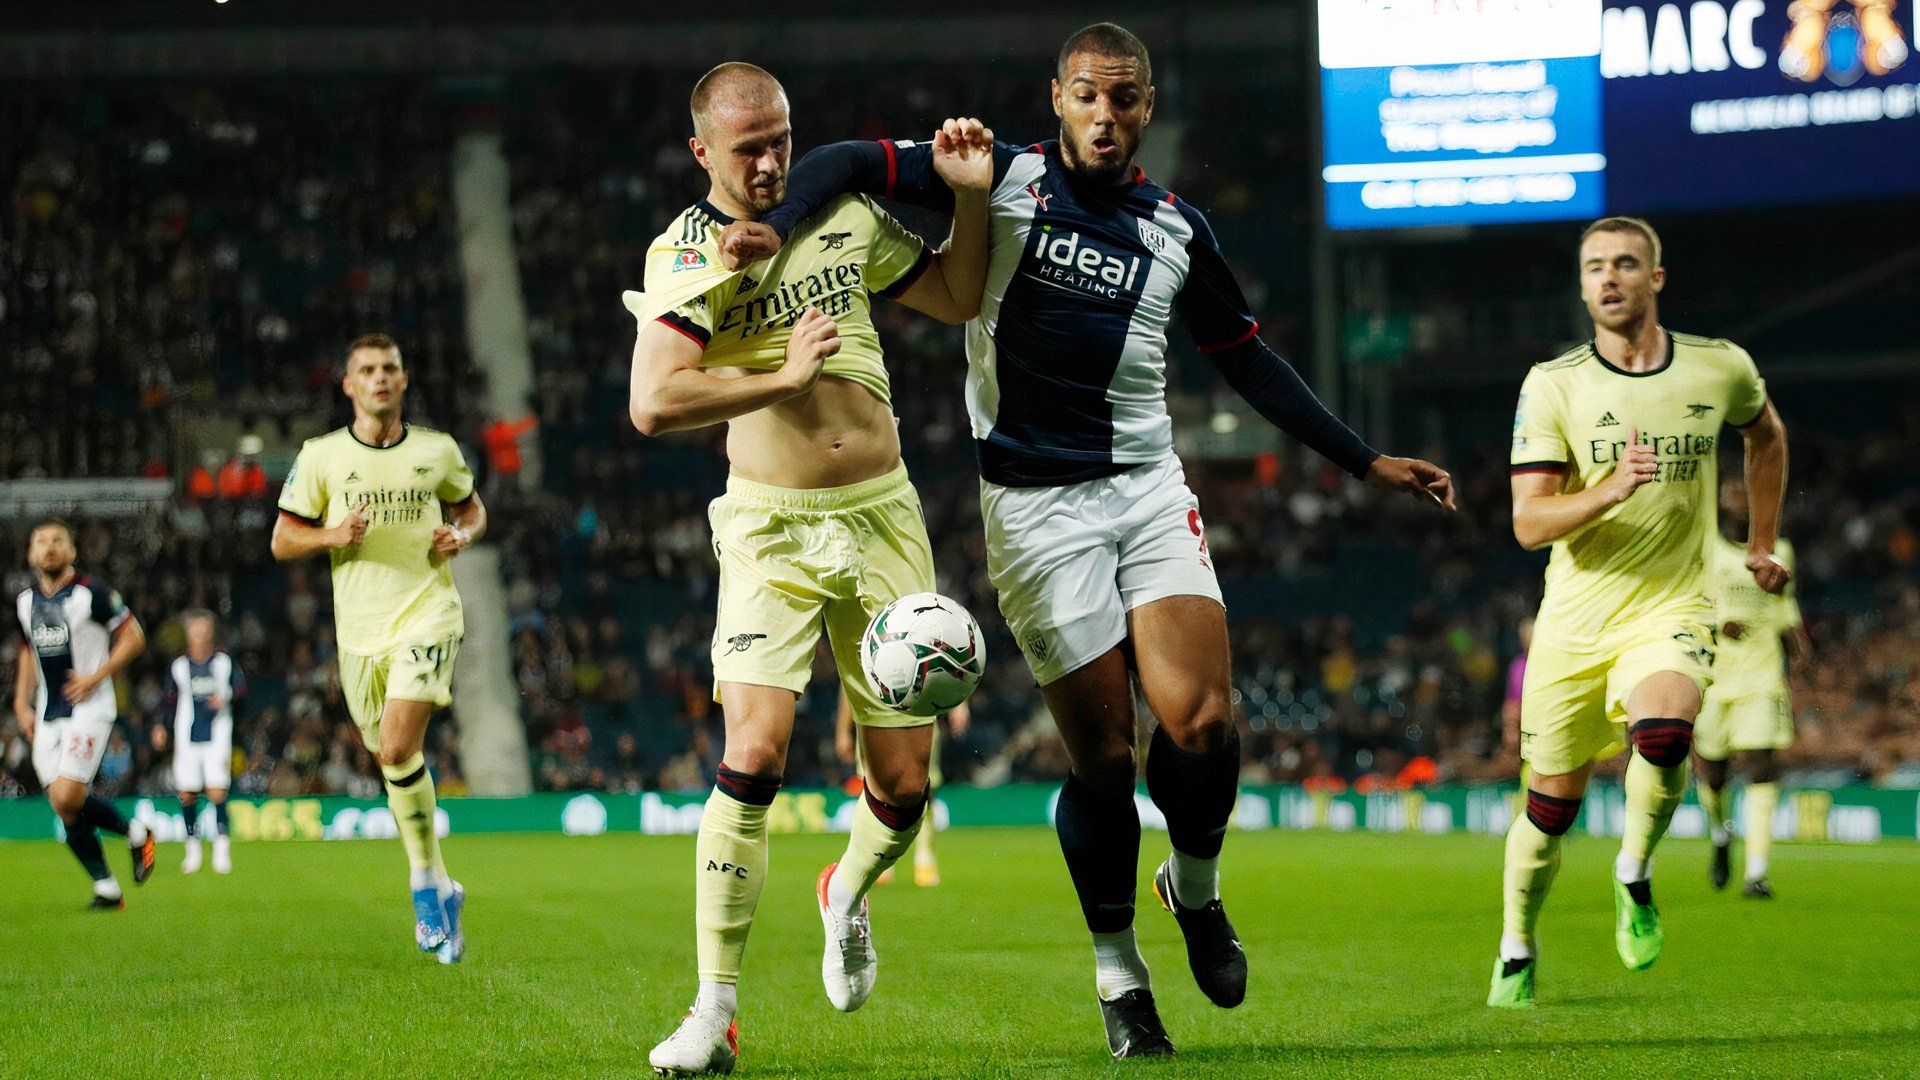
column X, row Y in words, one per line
column 707, row 1043
column 222, row 855
column 191, row 864
column 848, row 966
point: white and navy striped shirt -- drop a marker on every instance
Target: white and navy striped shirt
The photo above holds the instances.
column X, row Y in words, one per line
column 71, row 630
column 1067, row 361
column 195, row 684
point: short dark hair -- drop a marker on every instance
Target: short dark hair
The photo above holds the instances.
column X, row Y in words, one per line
column 193, row 613
column 751, row 84
column 1104, row 39
column 372, row 341
column 53, row 523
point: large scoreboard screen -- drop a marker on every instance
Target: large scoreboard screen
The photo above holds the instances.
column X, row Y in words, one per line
column 1454, row 112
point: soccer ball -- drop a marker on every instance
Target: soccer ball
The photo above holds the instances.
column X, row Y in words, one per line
column 923, row 654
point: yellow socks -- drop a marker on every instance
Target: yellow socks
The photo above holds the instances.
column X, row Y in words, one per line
column 881, row 834
column 1533, row 858
column 730, row 866
column 1653, row 793
column 1761, row 799
column 410, row 797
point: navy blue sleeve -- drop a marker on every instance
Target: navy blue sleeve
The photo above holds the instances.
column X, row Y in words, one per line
column 1224, row 329
column 902, row 171
column 108, row 609
column 1277, row 392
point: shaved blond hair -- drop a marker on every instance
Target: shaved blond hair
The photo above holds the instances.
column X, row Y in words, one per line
column 1626, row 224
column 737, row 84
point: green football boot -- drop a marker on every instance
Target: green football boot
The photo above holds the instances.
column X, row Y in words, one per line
column 1636, row 929
column 1513, row 991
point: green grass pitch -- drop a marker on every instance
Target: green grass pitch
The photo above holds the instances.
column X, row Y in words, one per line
column 1370, row 956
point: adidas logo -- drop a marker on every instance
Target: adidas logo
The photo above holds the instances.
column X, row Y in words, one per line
column 352, row 478
column 1608, row 421
column 748, row 283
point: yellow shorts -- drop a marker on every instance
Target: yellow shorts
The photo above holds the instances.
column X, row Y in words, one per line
column 1761, row 721
column 1573, row 704
column 417, row 672
column 796, row 561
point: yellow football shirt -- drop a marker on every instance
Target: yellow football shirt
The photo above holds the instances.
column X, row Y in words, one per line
column 1646, row 555
column 834, row 261
column 1754, row 663
column 391, row 590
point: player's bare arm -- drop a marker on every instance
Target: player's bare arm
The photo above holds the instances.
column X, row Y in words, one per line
column 128, row 642
column 294, row 539
column 744, row 242
column 670, row 393
column 950, row 288
column 26, row 679
column 1766, row 446
column 465, row 525
column 1543, row 514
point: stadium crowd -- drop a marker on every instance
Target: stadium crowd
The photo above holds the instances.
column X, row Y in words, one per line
column 184, row 261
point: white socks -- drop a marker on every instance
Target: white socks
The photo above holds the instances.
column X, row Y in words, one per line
column 842, row 899
column 1196, row 882
column 1628, row 870
column 136, row 832
column 1117, row 965
column 1514, row 947
column 717, row 996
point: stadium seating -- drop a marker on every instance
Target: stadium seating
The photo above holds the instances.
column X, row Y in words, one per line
column 190, row 257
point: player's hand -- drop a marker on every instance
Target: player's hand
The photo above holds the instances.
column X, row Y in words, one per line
column 1421, row 479
column 746, row 242
column 815, row 337
column 843, row 743
column 1733, row 631
column 963, row 155
column 1638, row 466
column 1768, row 572
column 449, row 540
column 352, row 528
column 216, row 702
column 81, row 687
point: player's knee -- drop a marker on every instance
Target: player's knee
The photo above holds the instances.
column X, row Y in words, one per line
column 1760, row 767
column 755, row 757
column 1550, row 813
column 1204, row 728
column 66, row 805
column 1663, row 741
column 1108, row 767
column 405, row 772
column 901, row 785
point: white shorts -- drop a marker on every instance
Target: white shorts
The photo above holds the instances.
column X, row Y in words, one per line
column 1070, row 562
column 198, row 766
column 70, row 748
